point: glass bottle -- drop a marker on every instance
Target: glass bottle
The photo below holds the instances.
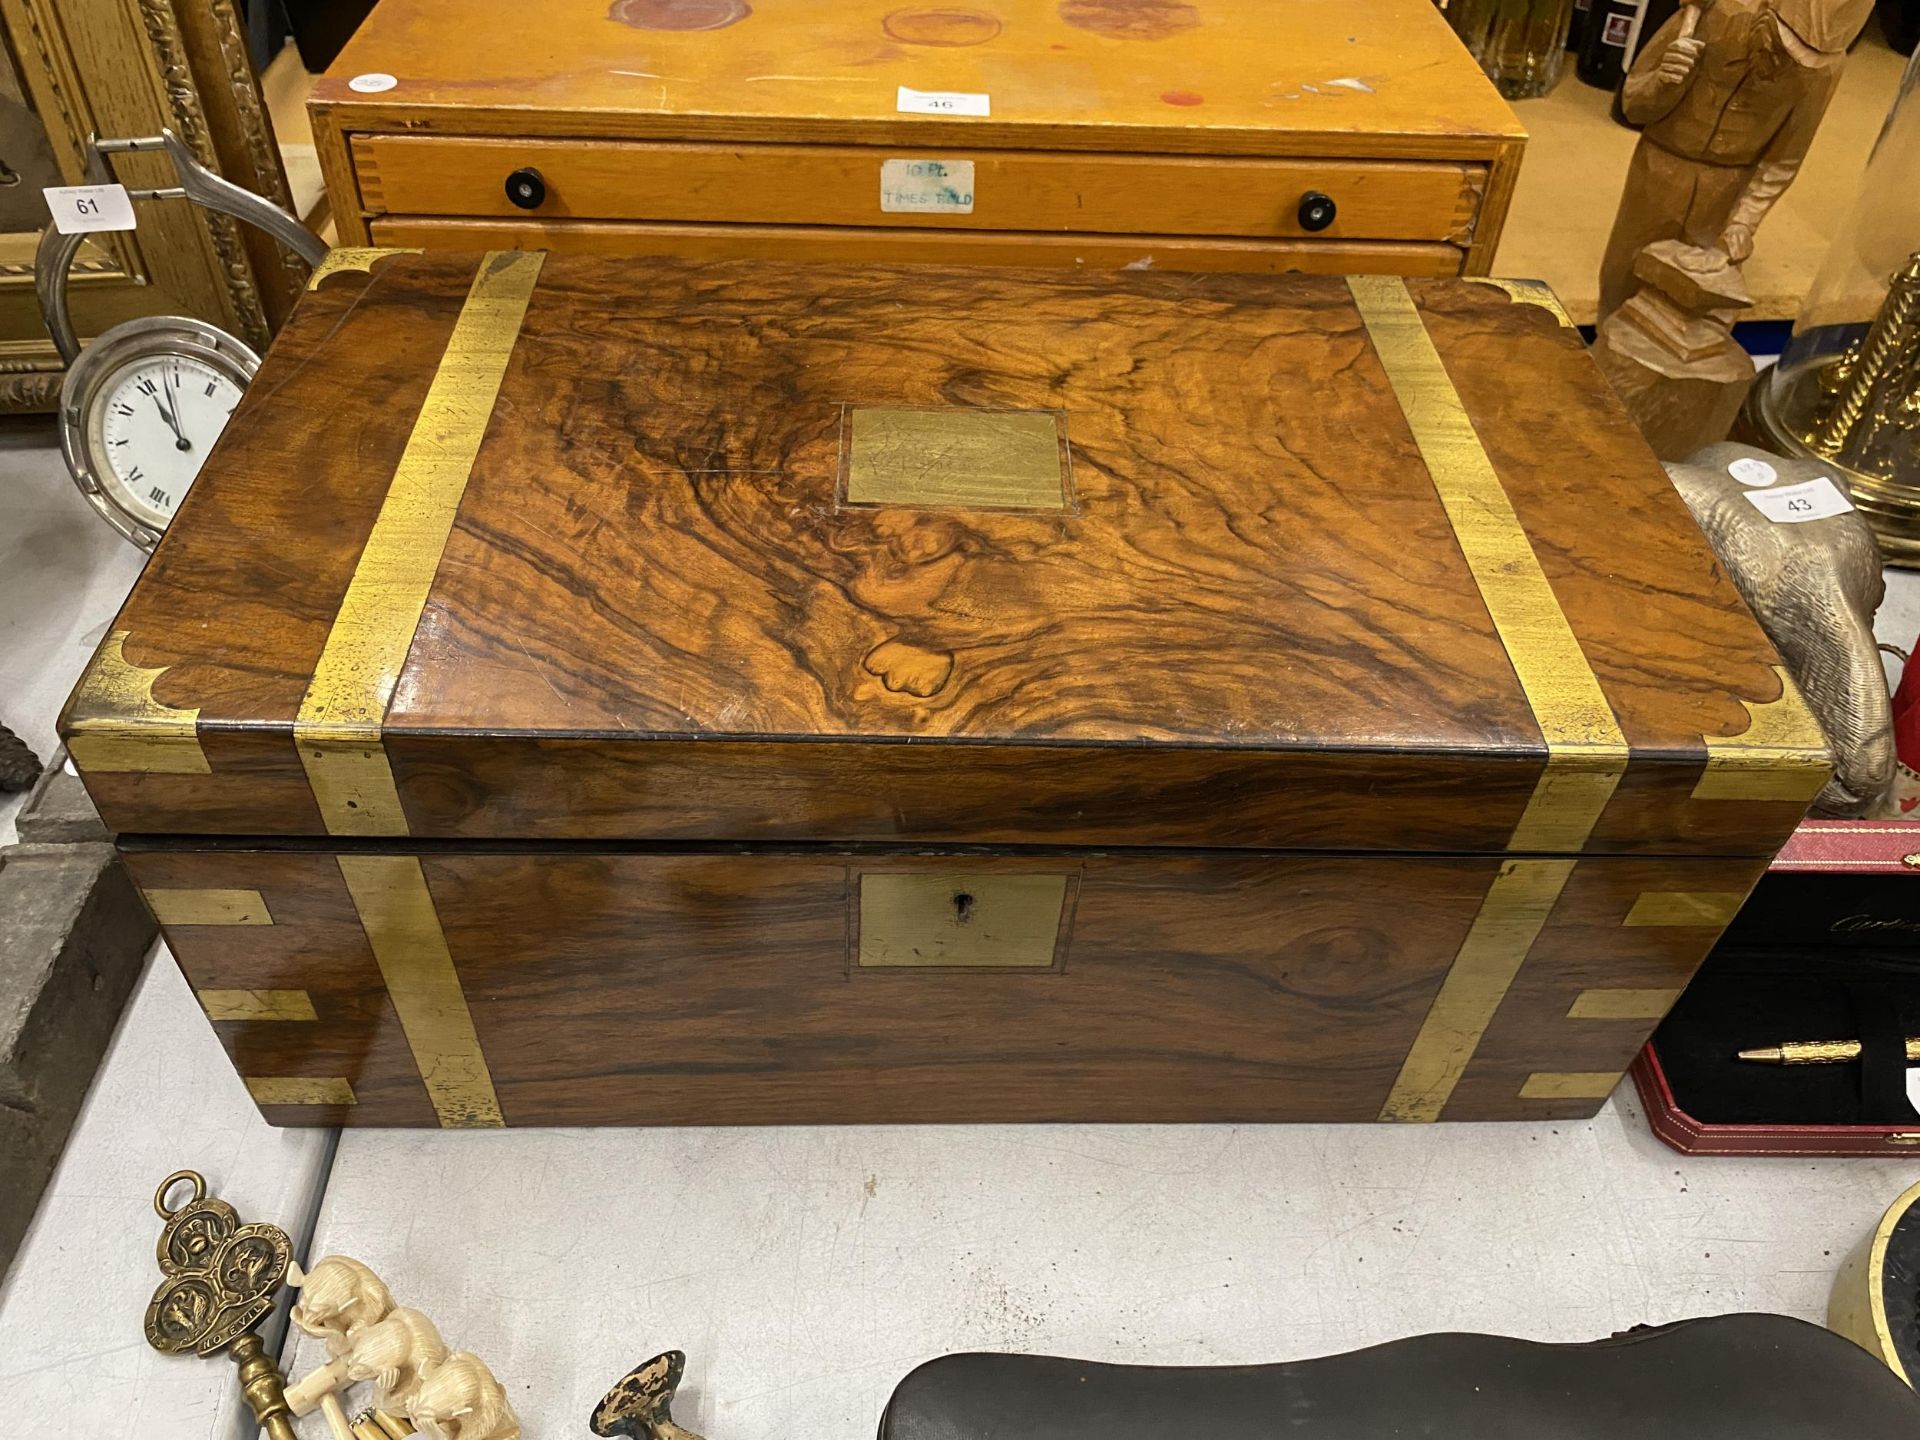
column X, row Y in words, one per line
column 1519, row 43
column 1847, row 388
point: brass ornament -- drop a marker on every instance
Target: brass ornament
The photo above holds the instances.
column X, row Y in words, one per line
column 927, row 920
column 1709, row 909
column 114, row 723
column 221, row 1279
column 1864, row 1307
column 1858, row 412
column 1610, row 1003
column 1570, row 1084
column 1528, row 292
column 1814, row 585
column 221, row 1274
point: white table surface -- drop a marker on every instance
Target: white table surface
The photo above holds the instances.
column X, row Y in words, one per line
column 805, row 1271
column 73, row 1359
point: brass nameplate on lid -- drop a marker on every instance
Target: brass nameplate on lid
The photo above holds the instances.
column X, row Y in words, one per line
column 968, row 459
column 936, row 920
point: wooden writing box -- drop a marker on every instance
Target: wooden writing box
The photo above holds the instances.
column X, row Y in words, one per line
column 579, row 691
column 1174, row 134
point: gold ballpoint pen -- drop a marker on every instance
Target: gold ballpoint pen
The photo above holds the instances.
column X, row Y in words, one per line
column 1818, row 1052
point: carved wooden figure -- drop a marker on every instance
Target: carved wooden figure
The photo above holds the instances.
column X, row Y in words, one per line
column 1731, row 93
column 1669, row 351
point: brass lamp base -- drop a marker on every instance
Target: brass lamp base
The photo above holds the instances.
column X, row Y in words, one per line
column 1891, row 508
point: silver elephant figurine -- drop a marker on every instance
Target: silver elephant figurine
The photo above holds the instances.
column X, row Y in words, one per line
column 1815, row 585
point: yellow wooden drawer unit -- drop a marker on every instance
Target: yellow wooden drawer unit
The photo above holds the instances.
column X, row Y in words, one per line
column 1218, row 134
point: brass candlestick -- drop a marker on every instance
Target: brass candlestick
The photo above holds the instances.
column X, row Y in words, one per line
column 1858, row 411
column 1878, row 383
column 221, row 1277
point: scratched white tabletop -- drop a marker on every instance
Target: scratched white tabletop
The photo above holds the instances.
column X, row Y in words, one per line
column 73, row 1360
column 806, row 1271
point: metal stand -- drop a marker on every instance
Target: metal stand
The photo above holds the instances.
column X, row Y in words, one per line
column 55, row 253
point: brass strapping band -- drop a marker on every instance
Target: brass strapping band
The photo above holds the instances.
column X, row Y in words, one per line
column 1512, row 914
column 172, row 907
column 1622, row 1004
column 291, row 1005
column 300, row 1090
column 403, row 929
column 1699, row 909
column 1586, row 750
column 338, row 728
column 1570, row 1084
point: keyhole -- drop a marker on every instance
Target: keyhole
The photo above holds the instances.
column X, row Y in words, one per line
column 962, row 907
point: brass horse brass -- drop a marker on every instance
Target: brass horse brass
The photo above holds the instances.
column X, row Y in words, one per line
column 221, row 1277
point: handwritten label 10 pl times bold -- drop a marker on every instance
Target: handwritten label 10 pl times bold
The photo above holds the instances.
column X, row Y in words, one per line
column 926, row 187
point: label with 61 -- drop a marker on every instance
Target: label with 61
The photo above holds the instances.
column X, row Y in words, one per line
column 83, row 209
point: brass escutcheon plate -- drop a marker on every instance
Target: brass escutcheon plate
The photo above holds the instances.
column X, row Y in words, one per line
column 950, row 919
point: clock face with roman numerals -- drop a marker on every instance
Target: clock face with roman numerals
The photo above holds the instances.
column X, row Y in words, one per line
column 158, row 416
column 140, row 409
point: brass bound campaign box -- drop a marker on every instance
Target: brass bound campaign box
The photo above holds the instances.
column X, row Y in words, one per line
column 586, row 691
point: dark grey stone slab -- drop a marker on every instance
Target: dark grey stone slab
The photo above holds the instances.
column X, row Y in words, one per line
column 73, row 933
column 58, row 811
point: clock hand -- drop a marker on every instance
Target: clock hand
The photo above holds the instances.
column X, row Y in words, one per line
column 180, row 441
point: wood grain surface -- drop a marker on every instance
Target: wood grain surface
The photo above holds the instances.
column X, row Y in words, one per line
column 841, row 186
column 656, row 615
column 629, row 988
column 1381, row 77
column 1344, row 94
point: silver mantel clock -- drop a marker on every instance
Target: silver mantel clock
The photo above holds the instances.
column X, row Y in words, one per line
column 142, row 405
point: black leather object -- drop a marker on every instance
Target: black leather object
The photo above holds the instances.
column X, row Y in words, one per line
column 1736, row 1377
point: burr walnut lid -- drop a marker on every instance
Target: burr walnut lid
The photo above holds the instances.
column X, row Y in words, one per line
column 514, row 546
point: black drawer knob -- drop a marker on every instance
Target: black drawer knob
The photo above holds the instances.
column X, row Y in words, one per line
column 528, row 190
column 1316, row 211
